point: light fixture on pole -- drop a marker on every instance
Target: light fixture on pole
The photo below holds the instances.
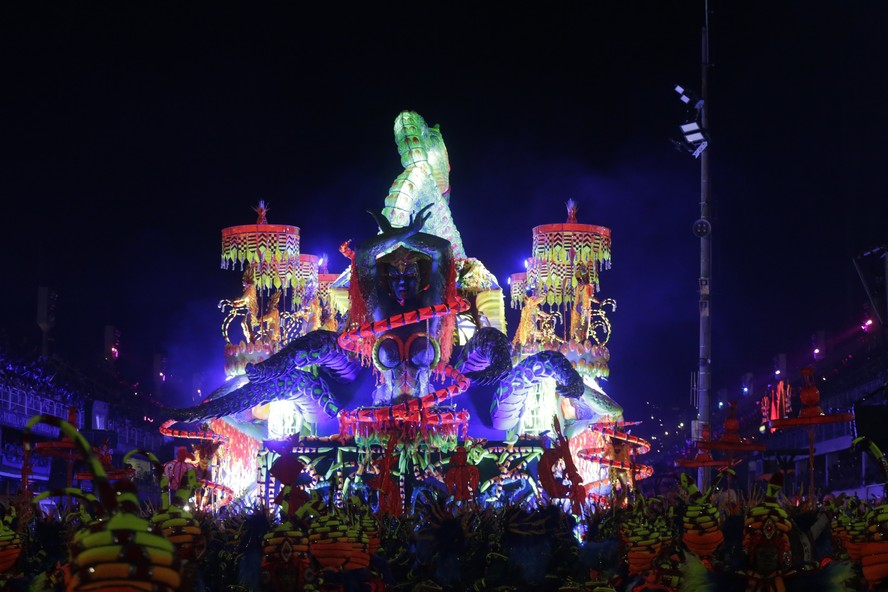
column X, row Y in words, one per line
column 689, row 98
column 694, row 138
column 818, row 342
column 746, row 384
column 780, row 366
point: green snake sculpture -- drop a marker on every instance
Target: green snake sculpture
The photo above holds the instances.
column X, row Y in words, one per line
column 425, row 181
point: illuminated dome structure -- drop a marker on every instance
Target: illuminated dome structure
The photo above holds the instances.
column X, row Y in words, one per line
column 559, row 307
column 280, row 286
column 425, row 323
column 285, row 295
column 561, row 311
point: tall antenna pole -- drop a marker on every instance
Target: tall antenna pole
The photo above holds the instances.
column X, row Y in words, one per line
column 703, row 229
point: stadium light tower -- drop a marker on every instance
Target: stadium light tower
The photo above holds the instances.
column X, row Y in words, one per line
column 695, row 140
column 703, row 229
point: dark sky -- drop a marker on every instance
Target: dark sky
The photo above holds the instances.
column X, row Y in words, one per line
column 132, row 136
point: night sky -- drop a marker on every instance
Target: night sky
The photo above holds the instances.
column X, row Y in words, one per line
column 131, row 137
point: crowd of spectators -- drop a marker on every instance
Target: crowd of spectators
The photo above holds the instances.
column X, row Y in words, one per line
column 14, row 456
column 53, row 379
column 51, row 386
column 35, row 377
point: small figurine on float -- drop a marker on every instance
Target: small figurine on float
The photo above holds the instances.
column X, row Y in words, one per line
column 461, row 479
column 387, row 489
column 528, row 330
column 287, row 469
column 269, row 324
column 569, row 486
column 307, row 319
column 245, row 306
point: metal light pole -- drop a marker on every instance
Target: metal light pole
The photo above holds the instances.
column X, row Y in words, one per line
column 703, row 230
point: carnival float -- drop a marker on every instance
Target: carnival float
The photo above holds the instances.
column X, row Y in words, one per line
column 379, row 430
column 427, row 323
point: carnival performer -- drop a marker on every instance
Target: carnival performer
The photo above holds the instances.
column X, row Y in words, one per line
column 175, row 470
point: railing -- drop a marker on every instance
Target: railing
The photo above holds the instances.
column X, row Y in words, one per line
column 848, row 398
column 130, row 437
column 18, row 405
column 798, row 437
column 29, row 404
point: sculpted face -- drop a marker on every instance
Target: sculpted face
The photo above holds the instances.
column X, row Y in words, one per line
column 403, row 280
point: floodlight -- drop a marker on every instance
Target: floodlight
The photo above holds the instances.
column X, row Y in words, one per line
column 693, row 133
column 818, row 340
column 681, row 94
column 688, row 98
column 695, row 138
column 746, row 383
column 780, row 365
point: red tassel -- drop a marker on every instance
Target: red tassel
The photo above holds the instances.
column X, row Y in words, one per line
column 448, row 324
column 358, row 315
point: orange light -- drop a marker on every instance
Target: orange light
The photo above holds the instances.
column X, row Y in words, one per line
column 261, row 412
